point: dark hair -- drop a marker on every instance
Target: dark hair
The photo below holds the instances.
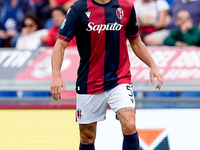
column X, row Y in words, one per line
column 59, row 8
column 33, row 16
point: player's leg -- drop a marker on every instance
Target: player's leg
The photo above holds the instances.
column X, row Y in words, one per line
column 87, row 136
column 122, row 101
column 89, row 110
column 127, row 120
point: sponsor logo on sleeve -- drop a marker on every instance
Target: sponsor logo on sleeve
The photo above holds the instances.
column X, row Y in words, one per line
column 63, row 24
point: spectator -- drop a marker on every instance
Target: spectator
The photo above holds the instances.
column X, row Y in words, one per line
column 31, row 33
column 151, row 15
column 186, row 34
column 44, row 7
column 157, row 38
column 58, row 15
column 12, row 14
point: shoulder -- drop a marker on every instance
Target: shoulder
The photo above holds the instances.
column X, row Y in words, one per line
column 162, row 5
column 77, row 7
column 126, row 3
column 79, row 4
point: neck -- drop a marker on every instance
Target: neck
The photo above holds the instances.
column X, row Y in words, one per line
column 102, row 1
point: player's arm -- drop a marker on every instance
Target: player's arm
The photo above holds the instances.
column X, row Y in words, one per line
column 64, row 36
column 143, row 54
column 57, row 59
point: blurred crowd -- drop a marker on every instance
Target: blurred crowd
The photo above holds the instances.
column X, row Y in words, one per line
column 28, row 24
column 171, row 23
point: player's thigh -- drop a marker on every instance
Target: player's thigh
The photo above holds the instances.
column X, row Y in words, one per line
column 122, row 101
column 121, row 97
column 90, row 108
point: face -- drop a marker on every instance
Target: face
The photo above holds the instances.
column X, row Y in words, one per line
column 30, row 25
column 182, row 17
column 58, row 17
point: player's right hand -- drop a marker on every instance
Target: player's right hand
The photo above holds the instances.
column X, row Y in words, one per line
column 56, row 85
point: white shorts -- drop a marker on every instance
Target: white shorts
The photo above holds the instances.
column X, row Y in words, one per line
column 92, row 107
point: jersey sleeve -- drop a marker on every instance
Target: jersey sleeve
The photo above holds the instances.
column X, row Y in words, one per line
column 68, row 27
column 132, row 30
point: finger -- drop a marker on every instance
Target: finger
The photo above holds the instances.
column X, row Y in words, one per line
column 54, row 92
column 56, row 95
column 51, row 91
column 158, row 87
column 152, row 78
column 160, row 82
column 59, row 93
column 64, row 87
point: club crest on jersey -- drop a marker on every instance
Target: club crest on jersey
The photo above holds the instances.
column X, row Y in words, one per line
column 120, row 13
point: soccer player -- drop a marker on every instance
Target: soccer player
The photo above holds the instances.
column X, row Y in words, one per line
column 101, row 28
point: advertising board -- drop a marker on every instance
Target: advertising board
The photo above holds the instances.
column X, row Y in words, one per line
column 176, row 64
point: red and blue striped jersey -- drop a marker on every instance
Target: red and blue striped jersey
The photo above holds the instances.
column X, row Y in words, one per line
column 101, row 31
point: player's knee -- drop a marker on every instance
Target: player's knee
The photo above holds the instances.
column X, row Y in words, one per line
column 129, row 128
column 87, row 138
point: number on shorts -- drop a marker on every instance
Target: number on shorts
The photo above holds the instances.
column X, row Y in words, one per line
column 130, row 89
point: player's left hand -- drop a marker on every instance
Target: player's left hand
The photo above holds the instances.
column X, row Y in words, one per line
column 155, row 73
column 56, row 85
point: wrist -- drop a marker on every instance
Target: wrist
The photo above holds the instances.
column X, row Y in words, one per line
column 153, row 65
column 56, row 74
